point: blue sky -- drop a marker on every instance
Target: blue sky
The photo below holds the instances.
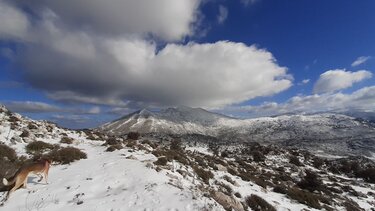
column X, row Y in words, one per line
column 82, row 68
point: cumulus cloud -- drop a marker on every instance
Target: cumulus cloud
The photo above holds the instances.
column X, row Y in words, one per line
column 169, row 20
column 99, row 57
column 360, row 100
column 360, row 60
column 223, row 14
column 338, row 79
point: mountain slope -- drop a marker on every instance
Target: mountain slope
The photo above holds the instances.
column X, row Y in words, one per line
column 327, row 132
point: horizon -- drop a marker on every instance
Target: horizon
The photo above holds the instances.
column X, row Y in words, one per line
column 83, row 67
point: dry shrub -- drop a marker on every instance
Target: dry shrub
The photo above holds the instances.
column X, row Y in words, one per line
column 238, row 195
column 280, row 189
column 257, row 203
column 7, row 153
column 133, row 135
column 351, row 205
column 162, row 161
column 66, row 155
column 176, row 144
column 112, row 141
column 25, row 133
column 203, row 174
column 304, row 197
column 295, row 160
column 38, row 147
column 311, row 181
column 66, row 140
column 32, row 126
column 258, row 156
column 114, row 147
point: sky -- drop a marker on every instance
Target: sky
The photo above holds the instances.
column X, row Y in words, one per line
column 81, row 63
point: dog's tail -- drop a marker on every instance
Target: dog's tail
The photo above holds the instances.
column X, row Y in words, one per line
column 5, row 181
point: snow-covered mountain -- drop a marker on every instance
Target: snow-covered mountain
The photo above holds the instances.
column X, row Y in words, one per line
column 142, row 173
column 326, row 132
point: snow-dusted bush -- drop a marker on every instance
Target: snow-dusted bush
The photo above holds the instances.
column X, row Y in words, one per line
column 7, row 153
column 66, row 155
column 257, row 203
column 66, row 140
column 38, row 147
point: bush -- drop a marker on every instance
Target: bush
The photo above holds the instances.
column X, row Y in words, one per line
column 238, row 195
column 204, row 175
column 133, row 135
column 318, row 162
column 7, row 153
column 31, row 126
column 295, row 160
column 162, row 161
column 258, row 156
column 38, row 147
column 112, row 141
column 176, row 144
column 113, row 148
column 304, row 197
column 368, row 175
column 257, row 203
column 66, row 155
column 280, row 189
column 310, row 182
column 25, row 133
column 66, row 140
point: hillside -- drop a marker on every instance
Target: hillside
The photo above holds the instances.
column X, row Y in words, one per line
column 324, row 133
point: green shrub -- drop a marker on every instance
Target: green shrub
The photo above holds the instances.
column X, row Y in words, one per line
column 66, row 155
column 38, row 147
column 7, row 153
column 257, row 203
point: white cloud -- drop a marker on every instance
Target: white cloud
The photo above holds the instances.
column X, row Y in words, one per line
column 88, row 62
column 338, row 79
column 249, row 2
column 360, row 100
column 223, row 14
column 31, row 107
column 304, row 81
column 360, row 60
column 169, row 20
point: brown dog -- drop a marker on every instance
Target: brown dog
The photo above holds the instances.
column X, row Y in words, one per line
column 20, row 177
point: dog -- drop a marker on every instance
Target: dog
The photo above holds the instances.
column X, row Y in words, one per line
column 20, row 177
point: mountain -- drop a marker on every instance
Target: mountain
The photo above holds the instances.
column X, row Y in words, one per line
column 142, row 173
column 326, row 132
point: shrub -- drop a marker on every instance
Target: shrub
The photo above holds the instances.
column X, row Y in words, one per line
column 66, row 140
column 257, row 203
column 258, row 156
column 162, row 161
column 352, row 205
column 38, row 147
column 304, row 197
column 318, row 162
column 176, row 144
column 66, row 155
column 31, row 126
column 204, row 175
column 238, row 195
column 112, row 141
column 7, row 152
column 295, row 160
column 113, row 148
column 280, row 189
column 131, row 143
column 310, row 182
column 368, row 175
column 133, row 135
column 25, row 133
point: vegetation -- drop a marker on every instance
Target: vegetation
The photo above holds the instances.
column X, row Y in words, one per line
column 38, row 147
column 257, row 203
column 66, row 155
